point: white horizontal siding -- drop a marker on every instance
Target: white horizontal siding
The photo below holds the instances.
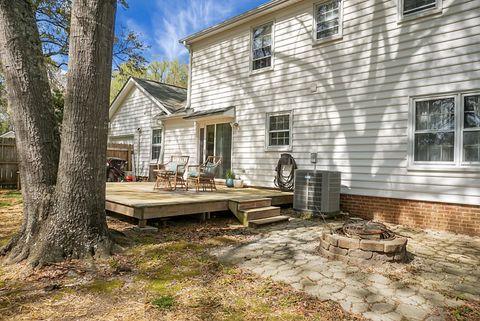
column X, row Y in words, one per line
column 180, row 139
column 136, row 111
column 357, row 119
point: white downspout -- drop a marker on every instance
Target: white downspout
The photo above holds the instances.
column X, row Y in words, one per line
column 189, row 83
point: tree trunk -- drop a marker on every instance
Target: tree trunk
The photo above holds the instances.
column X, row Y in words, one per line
column 79, row 227
column 29, row 95
column 69, row 215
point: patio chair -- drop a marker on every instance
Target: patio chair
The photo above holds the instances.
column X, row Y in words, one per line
column 170, row 175
column 204, row 175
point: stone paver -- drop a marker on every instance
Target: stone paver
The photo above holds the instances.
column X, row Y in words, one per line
column 441, row 264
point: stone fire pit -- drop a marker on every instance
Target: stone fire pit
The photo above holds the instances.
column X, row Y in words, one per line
column 362, row 241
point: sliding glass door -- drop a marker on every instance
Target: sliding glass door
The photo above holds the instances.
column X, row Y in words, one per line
column 216, row 140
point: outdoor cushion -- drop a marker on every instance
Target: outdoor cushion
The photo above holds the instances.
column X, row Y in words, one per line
column 193, row 174
column 209, row 170
column 172, row 166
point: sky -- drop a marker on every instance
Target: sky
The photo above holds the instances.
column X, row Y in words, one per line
column 162, row 23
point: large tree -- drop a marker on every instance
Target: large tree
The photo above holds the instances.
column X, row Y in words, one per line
column 63, row 191
column 53, row 21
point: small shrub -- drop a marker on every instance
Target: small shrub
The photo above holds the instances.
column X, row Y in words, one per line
column 164, row 302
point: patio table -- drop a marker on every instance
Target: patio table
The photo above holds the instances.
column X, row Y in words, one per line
column 166, row 179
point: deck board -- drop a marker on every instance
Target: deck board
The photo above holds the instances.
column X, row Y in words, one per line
column 139, row 200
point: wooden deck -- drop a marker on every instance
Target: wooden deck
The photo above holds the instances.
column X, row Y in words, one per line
column 140, row 201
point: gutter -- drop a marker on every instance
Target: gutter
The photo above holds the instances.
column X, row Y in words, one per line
column 240, row 19
column 173, row 116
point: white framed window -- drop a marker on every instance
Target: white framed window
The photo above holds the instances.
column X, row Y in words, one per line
column 445, row 131
column 328, row 20
column 418, row 8
column 262, row 47
column 279, row 131
column 471, row 128
column 156, row 144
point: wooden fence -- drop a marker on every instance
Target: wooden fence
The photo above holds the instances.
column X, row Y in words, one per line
column 123, row 151
column 9, row 163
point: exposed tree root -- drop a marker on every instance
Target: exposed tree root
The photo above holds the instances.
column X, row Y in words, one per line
column 41, row 251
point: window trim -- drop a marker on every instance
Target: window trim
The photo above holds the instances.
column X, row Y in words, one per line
column 272, row 63
column 458, row 164
column 269, row 147
column 338, row 36
column 463, row 129
column 160, row 156
column 402, row 17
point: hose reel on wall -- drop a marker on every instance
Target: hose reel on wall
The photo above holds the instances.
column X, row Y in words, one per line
column 285, row 169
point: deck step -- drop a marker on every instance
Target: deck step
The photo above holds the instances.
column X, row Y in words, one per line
column 262, row 212
column 269, row 220
column 246, row 204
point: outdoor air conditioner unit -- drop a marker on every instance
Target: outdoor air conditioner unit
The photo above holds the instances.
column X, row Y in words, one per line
column 317, row 192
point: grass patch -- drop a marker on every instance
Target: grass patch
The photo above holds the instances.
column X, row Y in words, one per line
column 4, row 241
column 14, row 194
column 467, row 312
column 104, row 287
column 10, row 198
column 164, row 302
column 169, row 268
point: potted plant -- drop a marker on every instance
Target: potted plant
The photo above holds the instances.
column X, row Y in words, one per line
column 238, row 182
column 229, row 176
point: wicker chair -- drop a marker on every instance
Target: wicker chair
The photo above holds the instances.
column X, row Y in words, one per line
column 170, row 175
column 203, row 176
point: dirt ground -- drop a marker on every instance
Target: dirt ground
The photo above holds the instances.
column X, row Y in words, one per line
column 164, row 276
column 169, row 275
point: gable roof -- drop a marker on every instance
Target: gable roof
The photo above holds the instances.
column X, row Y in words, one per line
column 9, row 134
column 171, row 99
column 257, row 12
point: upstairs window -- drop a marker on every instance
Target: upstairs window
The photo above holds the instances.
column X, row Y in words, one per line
column 328, row 20
column 262, row 46
column 156, row 143
column 419, row 7
column 279, row 131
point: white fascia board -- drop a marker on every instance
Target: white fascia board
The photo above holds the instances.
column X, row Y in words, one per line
column 124, row 94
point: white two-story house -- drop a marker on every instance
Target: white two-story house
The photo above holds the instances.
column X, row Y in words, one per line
column 385, row 91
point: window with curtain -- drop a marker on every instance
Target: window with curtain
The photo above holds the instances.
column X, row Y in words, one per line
column 262, row 46
column 446, row 130
column 328, row 20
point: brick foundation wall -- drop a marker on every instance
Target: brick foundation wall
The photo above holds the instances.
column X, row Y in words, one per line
column 457, row 218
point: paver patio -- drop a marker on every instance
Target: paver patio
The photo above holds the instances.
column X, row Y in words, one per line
column 443, row 270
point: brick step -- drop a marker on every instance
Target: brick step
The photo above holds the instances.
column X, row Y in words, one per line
column 269, row 220
column 262, row 212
